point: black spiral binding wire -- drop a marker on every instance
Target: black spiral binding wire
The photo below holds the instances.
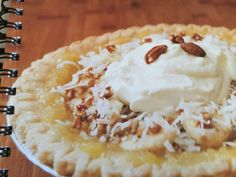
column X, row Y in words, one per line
column 10, row 73
column 4, row 173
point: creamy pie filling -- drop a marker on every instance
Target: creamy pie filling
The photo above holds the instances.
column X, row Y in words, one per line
column 173, row 93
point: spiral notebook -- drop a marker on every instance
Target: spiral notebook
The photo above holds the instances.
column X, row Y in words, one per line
column 6, row 10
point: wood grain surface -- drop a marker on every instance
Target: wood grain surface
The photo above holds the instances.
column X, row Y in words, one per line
column 50, row 24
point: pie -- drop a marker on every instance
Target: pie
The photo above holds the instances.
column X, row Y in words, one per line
column 143, row 101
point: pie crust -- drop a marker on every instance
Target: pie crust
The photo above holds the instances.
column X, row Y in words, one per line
column 40, row 137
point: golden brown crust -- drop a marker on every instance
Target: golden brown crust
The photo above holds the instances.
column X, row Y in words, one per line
column 33, row 132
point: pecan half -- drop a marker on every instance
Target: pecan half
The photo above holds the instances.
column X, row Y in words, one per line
column 153, row 54
column 193, row 49
column 176, row 39
column 197, row 37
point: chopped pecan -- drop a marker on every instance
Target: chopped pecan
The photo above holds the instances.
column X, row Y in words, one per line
column 193, row 49
column 208, row 126
column 206, row 116
column 105, row 69
column 169, row 119
column 147, row 40
column 155, row 129
column 88, row 73
column 111, row 48
column 120, row 132
column 205, row 125
column 125, row 110
column 89, row 101
column 180, row 111
column 108, row 93
column 81, row 107
column 134, row 126
column 114, row 119
column 233, row 85
column 94, row 115
column 91, row 83
column 81, row 112
column 139, row 131
column 153, row 54
column 101, row 129
column 84, row 125
column 70, row 94
column 81, row 89
column 197, row 37
column 76, row 123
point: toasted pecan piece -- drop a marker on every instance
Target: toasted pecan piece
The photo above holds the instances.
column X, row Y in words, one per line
column 111, row 48
column 193, row 49
column 197, row 37
column 154, row 53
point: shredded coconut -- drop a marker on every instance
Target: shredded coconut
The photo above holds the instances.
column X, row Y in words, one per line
column 107, row 108
column 186, row 143
column 62, row 64
column 231, row 144
column 169, row 146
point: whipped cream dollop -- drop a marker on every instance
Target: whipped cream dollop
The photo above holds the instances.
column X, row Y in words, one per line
column 174, row 76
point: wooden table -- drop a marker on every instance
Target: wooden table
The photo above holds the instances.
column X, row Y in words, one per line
column 49, row 24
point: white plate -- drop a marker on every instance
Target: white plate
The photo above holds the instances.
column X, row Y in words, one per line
column 28, row 154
